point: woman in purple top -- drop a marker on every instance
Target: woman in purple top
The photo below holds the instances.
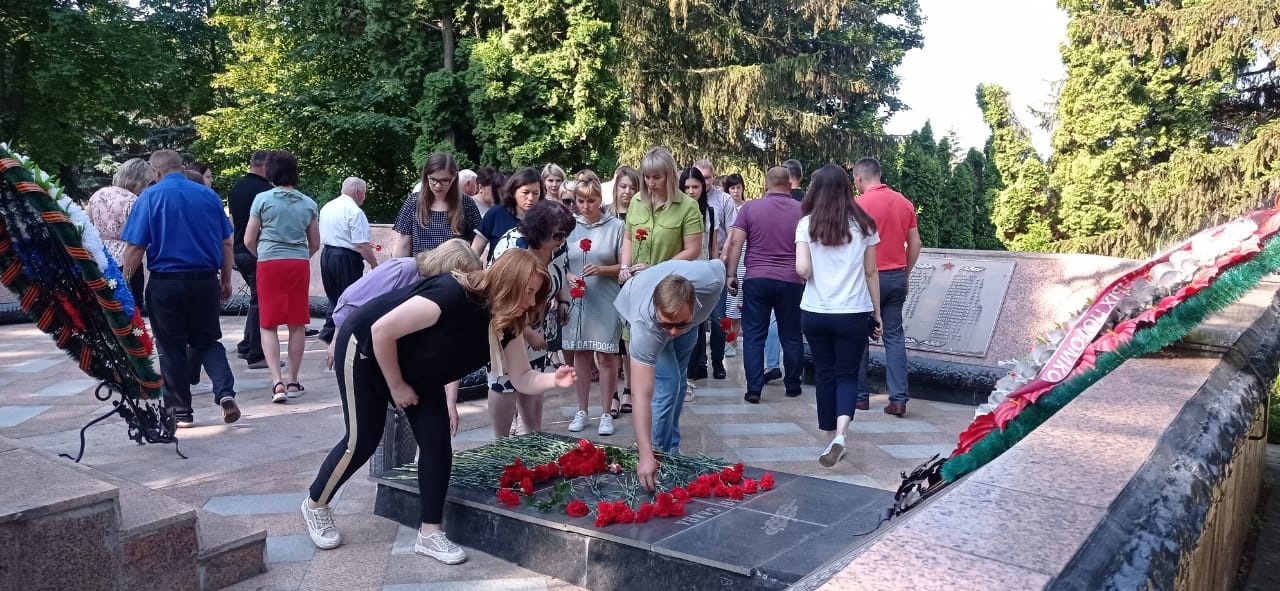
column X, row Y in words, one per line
column 401, row 272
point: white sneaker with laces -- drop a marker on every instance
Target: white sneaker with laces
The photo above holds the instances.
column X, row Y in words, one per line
column 320, row 525
column 729, row 351
column 833, row 454
column 579, row 421
column 606, row 425
column 438, row 546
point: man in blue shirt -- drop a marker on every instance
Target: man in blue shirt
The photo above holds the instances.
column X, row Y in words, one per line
column 187, row 238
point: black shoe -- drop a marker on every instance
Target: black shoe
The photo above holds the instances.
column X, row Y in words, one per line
column 698, row 373
column 230, row 410
column 752, row 397
column 773, row 374
column 311, row 332
column 793, row 393
column 719, row 373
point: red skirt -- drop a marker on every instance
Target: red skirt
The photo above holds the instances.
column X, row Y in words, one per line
column 283, row 297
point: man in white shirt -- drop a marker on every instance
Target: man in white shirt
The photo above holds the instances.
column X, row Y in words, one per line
column 344, row 232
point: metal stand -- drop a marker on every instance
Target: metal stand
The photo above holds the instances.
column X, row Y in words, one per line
column 147, row 424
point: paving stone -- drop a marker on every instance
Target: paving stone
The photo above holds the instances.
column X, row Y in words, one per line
column 35, row 365
column 524, row 584
column 917, row 451
column 858, row 479
column 750, row 429
column 898, row 426
column 740, row 408
column 290, row 548
column 66, row 388
column 12, row 416
column 260, row 504
column 752, row 455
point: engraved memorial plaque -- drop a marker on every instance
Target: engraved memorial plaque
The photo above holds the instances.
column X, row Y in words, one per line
column 953, row 304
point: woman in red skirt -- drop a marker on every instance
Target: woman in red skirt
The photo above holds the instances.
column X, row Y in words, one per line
column 283, row 232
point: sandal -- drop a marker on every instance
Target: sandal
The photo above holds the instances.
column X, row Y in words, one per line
column 294, row 390
column 626, row 406
column 615, row 409
column 279, row 393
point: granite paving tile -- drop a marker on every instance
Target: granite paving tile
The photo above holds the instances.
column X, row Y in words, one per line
column 12, row 416
column 290, row 548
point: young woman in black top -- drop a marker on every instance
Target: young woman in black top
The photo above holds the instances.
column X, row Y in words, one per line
column 402, row 348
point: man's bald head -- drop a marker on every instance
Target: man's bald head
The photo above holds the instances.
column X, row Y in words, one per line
column 166, row 161
column 777, row 180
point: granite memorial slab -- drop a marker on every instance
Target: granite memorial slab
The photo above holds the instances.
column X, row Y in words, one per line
column 953, row 304
column 764, row 541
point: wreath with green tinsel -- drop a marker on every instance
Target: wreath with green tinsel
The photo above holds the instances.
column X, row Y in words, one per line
column 54, row 260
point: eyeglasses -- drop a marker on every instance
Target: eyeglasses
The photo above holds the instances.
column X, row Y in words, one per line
column 674, row 325
column 560, row 236
column 435, row 182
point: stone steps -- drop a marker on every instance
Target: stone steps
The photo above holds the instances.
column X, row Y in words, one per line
column 67, row 522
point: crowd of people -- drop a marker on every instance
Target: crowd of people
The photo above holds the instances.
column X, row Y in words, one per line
column 639, row 284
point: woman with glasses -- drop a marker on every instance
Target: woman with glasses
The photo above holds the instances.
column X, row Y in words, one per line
column 437, row 212
column 543, row 231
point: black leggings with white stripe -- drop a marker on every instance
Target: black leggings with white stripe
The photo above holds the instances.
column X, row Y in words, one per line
column 365, row 397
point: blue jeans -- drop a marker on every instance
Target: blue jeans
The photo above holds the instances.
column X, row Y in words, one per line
column 838, row 343
column 893, row 294
column 759, row 298
column 669, row 386
column 772, row 346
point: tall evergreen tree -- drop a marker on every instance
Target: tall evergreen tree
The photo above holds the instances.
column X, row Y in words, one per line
column 1212, row 132
column 958, row 200
column 1021, row 209
column 986, row 183
column 923, row 183
column 754, row 82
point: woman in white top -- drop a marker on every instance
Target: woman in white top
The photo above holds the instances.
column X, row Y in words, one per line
column 840, row 309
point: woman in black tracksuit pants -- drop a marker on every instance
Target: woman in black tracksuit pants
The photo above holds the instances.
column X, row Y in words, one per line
column 402, row 348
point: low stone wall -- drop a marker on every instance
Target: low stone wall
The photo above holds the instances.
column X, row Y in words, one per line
column 1147, row 480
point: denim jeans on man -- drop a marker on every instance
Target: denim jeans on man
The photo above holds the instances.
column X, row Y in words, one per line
column 184, row 312
column 893, row 294
column 760, row 297
column 838, row 343
column 669, row 387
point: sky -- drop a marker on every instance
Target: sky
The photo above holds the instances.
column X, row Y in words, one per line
column 1013, row 43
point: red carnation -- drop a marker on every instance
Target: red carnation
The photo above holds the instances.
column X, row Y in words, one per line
column 726, row 324
column 766, row 481
column 577, row 293
column 642, row 234
column 750, row 486
column 526, row 485
column 646, row 511
column 736, row 493
column 585, row 244
column 731, row 475
column 577, row 508
column 680, row 493
column 508, row 497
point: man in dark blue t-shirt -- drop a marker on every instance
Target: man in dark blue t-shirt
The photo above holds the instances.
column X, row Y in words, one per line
column 187, row 238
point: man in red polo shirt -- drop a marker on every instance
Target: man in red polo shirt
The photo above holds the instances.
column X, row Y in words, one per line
column 896, row 255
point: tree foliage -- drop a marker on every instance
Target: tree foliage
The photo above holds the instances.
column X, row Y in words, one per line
column 1020, row 209
column 89, row 80
column 754, row 82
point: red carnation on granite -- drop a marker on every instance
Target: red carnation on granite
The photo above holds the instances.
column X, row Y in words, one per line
column 750, row 486
column 508, row 497
column 577, row 508
column 646, row 512
column 679, row 493
column 766, row 481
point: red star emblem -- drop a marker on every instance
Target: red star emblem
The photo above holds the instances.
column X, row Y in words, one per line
column 948, row 266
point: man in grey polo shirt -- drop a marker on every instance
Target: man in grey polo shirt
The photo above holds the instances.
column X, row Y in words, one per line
column 661, row 305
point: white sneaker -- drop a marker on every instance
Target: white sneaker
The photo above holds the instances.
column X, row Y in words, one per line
column 833, row 454
column 729, row 351
column 606, row 425
column 279, row 397
column 579, row 421
column 438, row 546
column 320, row 525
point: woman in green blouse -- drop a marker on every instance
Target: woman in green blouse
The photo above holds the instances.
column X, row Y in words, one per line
column 662, row 223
